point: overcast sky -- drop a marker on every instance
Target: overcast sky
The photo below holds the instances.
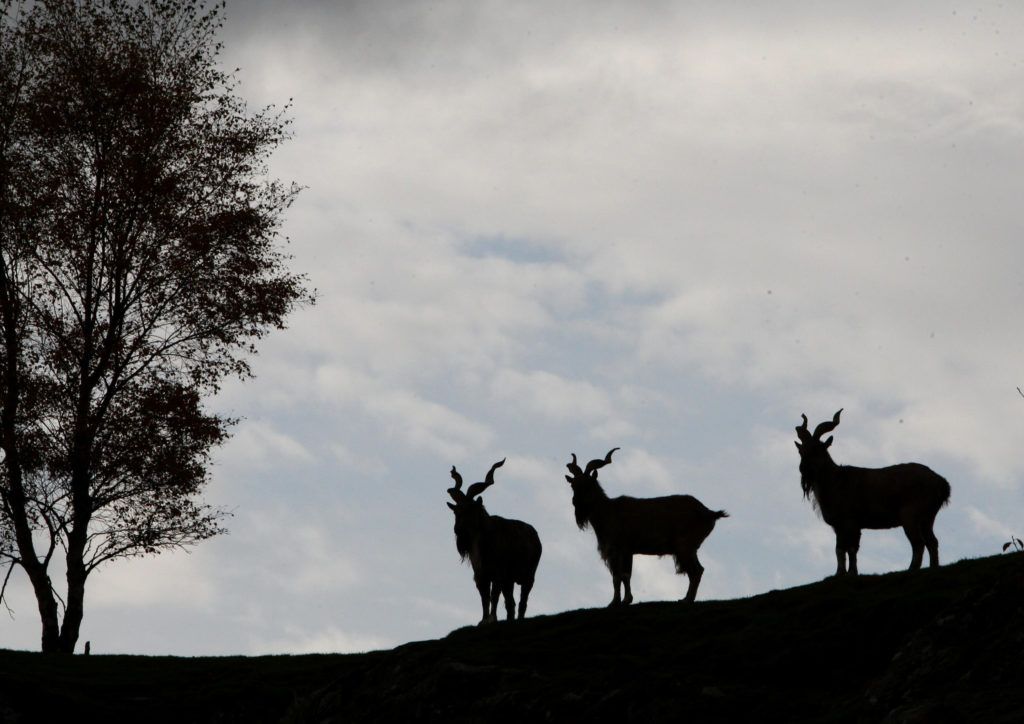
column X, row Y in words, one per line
column 538, row 229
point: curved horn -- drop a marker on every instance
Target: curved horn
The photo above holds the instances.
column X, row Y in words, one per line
column 595, row 465
column 574, row 467
column 827, row 426
column 476, row 488
column 456, row 492
column 490, row 473
column 801, row 431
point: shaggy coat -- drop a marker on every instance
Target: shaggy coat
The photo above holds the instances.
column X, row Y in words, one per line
column 673, row 525
column 850, row 499
column 502, row 552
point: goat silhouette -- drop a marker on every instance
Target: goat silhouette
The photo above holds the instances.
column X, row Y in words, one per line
column 502, row 552
column 851, row 499
column 673, row 525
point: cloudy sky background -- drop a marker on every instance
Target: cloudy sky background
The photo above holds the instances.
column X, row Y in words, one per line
column 554, row 227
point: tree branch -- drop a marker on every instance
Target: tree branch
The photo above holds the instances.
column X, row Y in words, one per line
column 3, row 588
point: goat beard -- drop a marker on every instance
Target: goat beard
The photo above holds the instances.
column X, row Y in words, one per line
column 463, row 546
column 582, row 519
column 809, row 494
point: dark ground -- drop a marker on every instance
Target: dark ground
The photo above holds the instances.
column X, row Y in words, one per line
column 934, row 646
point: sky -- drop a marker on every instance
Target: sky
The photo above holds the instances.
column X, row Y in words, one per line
column 543, row 228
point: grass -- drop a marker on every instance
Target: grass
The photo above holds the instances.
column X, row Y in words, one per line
column 852, row 649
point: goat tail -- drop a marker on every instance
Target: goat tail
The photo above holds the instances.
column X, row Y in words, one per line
column 944, row 492
column 938, row 490
column 712, row 518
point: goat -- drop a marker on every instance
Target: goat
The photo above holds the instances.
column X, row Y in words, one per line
column 851, row 499
column 502, row 552
column 673, row 525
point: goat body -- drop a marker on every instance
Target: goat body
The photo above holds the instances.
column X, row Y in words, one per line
column 879, row 498
column 651, row 526
column 673, row 525
column 850, row 499
column 502, row 551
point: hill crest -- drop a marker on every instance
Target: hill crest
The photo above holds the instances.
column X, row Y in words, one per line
column 932, row 645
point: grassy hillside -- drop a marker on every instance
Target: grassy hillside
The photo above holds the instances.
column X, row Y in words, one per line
column 944, row 645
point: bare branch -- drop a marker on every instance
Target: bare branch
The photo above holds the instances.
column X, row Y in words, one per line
column 3, row 588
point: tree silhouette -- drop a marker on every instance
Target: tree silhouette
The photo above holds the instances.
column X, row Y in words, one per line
column 140, row 261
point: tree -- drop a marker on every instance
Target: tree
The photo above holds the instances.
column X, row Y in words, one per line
column 140, row 262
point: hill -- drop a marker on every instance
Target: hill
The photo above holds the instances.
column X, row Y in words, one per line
column 933, row 646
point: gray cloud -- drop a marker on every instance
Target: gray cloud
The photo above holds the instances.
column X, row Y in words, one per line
column 539, row 229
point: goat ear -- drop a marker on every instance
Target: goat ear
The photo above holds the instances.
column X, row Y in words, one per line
column 453, row 507
column 569, row 478
column 828, row 441
column 798, row 446
column 479, row 502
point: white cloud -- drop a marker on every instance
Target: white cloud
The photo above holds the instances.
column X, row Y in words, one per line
column 298, row 558
column 255, row 444
column 671, row 231
column 550, row 396
column 705, row 228
column 296, row 639
column 990, row 526
column 428, row 426
column 364, row 464
column 174, row 579
column 654, row 579
column 637, row 472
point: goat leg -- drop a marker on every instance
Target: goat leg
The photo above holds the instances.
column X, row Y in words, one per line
column 627, row 574
column 484, row 588
column 495, row 593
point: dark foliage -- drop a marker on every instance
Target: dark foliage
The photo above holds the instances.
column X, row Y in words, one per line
column 140, row 263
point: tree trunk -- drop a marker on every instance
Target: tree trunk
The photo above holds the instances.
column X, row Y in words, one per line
column 14, row 495
column 47, row 607
column 74, row 612
column 76, row 542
